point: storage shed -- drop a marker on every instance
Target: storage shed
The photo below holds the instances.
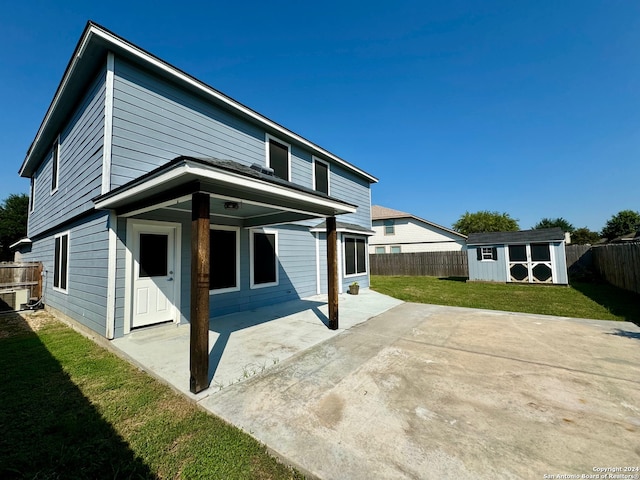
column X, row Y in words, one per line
column 527, row 256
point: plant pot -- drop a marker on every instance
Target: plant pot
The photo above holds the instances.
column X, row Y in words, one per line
column 354, row 289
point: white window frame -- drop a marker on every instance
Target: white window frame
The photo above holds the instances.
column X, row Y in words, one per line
column 383, row 248
column 56, row 271
column 55, row 162
column 252, row 232
column 395, row 246
column 32, row 196
column 237, row 287
column 344, row 257
column 484, row 251
column 389, row 224
column 268, row 138
column 315, row 187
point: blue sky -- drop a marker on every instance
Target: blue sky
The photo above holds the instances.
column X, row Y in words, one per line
column 525, row 107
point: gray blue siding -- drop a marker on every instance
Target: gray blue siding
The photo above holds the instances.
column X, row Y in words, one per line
column 487, row 270
column 80, row 165
column 86, row 300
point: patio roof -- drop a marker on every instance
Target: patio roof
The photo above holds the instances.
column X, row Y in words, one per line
column 240, row 194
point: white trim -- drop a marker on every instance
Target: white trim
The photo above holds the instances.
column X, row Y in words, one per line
column 267, row 141
column 94, row 30
column 111, row 276
column 266, row 231
column 552, row 259
column 32, row 192
column 22, row 241
column 55, row 270
column 229, row 228
column 190, row 168
column 364, row 233
column 108, row 124
column 315, row 160
column 339, row 244
column 318, row 286
column 55, row 161
column 391, row 247
column 132, row 226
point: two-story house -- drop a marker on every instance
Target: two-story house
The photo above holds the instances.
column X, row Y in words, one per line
column 400, row 232
column 156, row 198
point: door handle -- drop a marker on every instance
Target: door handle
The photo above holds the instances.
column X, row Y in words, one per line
column 170, row 279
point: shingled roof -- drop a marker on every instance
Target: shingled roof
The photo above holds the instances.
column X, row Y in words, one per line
column 523, row 236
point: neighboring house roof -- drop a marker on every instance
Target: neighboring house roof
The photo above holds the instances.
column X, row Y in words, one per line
column 383, row 213
column 90, row 54
column 629, row 237
column 522, row 236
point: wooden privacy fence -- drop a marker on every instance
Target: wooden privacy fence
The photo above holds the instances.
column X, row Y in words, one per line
column 18, row 283
column 619, row 265
column 579, row 258
column 433, row 264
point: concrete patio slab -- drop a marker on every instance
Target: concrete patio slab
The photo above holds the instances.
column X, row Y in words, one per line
column 247, row 343
column 432, row 392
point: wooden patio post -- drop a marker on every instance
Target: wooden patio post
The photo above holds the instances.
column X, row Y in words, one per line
column 332, row 272
column 199, row 349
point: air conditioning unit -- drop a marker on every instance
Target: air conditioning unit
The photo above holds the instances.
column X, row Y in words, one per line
column 14, row 299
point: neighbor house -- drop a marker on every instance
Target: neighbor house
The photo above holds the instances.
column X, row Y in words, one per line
column 526, row 256
column 156, row 198
column 400, row 232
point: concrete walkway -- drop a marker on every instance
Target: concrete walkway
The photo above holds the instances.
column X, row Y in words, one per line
column 418, row 391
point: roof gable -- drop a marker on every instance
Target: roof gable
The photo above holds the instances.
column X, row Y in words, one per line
column 383, row 213
column 90, row 55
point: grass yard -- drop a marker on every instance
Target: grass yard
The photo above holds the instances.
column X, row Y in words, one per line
column 581, row 300
column 70, row 409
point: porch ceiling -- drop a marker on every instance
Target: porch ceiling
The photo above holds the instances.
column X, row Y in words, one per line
column 261, row 199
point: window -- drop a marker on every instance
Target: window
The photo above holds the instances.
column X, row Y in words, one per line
column 32, row 194
column 380, row 250
column 395, row 249
column 154, row 248
column 224, row 259
column 487, row 253
column 264, row 258
column 55, row 165
column 61, row 262
column 320, row 176
column 389, row 227
column 278, row 157
column 355, row 258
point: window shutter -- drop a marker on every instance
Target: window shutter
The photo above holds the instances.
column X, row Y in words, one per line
column 479, row 253
column 494, row 253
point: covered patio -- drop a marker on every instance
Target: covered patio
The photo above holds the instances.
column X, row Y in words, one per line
column 230, row 192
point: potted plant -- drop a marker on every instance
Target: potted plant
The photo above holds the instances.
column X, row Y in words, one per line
column 354, row 288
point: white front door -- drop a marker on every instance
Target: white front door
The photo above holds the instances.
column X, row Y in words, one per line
column 154, row 274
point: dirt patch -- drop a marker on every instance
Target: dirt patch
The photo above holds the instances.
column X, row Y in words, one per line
column 13, row 323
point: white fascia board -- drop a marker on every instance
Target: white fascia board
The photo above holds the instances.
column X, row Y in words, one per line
column 226, row 177
column 367, row 233
column 22, row 241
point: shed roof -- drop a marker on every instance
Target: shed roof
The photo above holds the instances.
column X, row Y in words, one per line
column 523, row 236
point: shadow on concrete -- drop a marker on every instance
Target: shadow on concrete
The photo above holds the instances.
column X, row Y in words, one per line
column 626, row 334
column 620, row 302
column 226, row 325
column 48, row 428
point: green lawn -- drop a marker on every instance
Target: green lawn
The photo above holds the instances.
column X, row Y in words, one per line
column 580, row 300
column 70, row 409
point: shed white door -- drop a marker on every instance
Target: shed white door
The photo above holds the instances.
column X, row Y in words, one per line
column 530, row 263
column 154, row 272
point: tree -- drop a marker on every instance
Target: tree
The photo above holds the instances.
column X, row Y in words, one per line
column 584, row 236
column 623, row 222
column 13, row 222
column 554, row 222
column 485, row 221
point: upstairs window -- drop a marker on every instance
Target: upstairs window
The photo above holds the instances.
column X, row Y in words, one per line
column 389, row 227
column 55, row 165
column 61, row 262
column 278, row 158
column 321, row 176
column 355, row 256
